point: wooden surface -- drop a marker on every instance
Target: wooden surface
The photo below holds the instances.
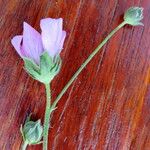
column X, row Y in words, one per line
column 108, row 106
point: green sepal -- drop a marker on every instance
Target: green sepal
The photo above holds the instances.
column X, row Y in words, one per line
column 57, row 65
column 31, row 68
column 45, row 63
column 48, row 68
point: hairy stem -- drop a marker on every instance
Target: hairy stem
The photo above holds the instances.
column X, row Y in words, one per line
column 47, row 117
column 86, row 62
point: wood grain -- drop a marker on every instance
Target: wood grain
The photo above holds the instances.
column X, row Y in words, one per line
column 107, row 107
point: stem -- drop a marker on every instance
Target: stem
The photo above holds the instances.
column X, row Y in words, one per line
column 47, row 117
column 86, row 62
column 24, row 146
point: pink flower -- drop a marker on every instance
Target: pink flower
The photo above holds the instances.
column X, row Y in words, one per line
column 32, row 44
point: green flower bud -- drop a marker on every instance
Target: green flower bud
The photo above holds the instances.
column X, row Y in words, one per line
column 32, row 132
column 133, row 16
column 47, row 69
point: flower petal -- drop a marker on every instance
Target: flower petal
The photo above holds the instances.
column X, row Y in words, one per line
column 32, row 42
column 62, row 41
column 16, row 42
column 51, row 35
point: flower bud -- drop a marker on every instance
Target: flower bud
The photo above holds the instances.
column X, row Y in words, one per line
column 133, row 16
column 32, row 132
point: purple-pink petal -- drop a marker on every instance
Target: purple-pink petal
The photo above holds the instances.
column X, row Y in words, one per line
column 16, row 42
column 63, row 36
column 52, row 35
column 32, row 43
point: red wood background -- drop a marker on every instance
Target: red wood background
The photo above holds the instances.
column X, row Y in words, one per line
column 108, row 106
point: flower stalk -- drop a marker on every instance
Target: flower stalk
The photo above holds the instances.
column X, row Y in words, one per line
column 47, row 117
column 86, row 62
column 132, row 16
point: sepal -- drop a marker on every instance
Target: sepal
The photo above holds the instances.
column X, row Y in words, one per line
column 31, row 68
column 48, row 68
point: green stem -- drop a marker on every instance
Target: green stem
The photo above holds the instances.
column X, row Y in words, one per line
column 24, row 146
column 86, row 62
column 47, row 117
